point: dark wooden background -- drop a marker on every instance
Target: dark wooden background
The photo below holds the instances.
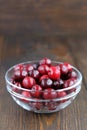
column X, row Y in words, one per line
column 43, row 17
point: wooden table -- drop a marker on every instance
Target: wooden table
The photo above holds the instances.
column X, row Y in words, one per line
column 15, row 49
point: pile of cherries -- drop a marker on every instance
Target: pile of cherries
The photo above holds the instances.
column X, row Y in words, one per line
column 43, row 79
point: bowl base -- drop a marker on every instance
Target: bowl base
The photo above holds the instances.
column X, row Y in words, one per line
column 27, row 107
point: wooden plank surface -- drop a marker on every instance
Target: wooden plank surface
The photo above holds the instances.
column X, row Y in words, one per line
column 18, row 49
column 43, row 17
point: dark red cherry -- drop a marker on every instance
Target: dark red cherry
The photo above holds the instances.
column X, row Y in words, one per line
column 20, row 74
column 63, row 69
column 26, row 95
column 18, row 67
column 44, row 77
column 28, row 82
column 34, row 73
column 45, row 61
column 51, row 105
column 36, row 91
column 36, row 105
column 60, row 95
column 58, row 84
column 68, row 66
column 46, row 83
column 49, row 93
column 43, row 69
column 29, row 67
column 18, row 88
column 54, row 73
column 72, row 74
column 69, row 82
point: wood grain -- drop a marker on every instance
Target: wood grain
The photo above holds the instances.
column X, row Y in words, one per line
column 43, row 17
column 18, row 49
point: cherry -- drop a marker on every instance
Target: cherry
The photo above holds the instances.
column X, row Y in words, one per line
column 18, row 67
column 51, row 105
column 15, row 89
column 61, row 94
column 20, row 74
column 63, row 68
column 58, row 84
column 34, row 73
column 54, row 73
column 46, row 83
column 72, row 74
column 43, row 69
column 18, row 84
column 68, row 66
column 28, row 82
column 49, row 93
column 36, row 105
column 26, row 94
column 69, row 82
column 36, row 91
column 44, row 77
column 17, row 74
column 29, row 67
column 45, row 61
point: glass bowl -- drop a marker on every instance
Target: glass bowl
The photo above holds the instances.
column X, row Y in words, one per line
column 40, row 105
